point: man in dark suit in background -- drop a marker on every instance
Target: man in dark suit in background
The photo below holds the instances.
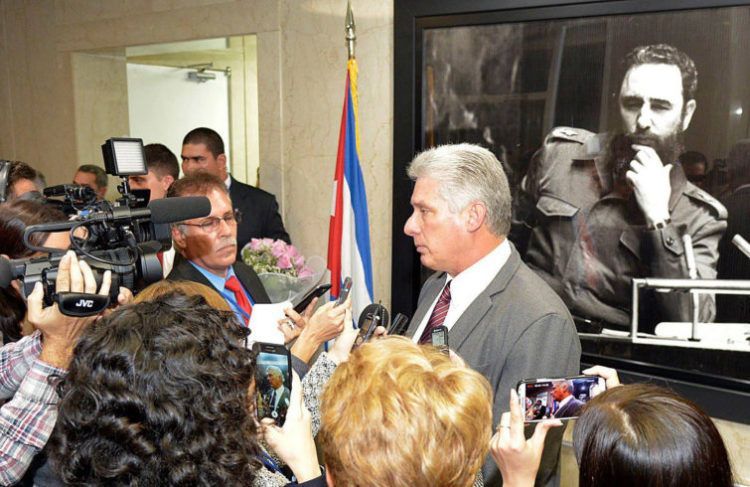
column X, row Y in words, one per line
column 208, row 247
column 203, row 150
column 503, row 320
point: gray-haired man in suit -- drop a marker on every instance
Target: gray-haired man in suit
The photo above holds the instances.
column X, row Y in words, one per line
column 503, row 320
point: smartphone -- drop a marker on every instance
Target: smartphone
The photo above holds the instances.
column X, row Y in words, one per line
column 439, row 338
column 273, row 381
column 558, row 398
column 315, row 293
column 399, row 324
column 344, row 291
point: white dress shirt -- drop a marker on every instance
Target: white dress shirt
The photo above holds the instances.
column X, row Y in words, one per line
column 467, row 285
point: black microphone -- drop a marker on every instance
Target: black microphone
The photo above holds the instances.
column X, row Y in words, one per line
column 164, row 210
column 178, row 209
column 372, row 316
column 399, row 325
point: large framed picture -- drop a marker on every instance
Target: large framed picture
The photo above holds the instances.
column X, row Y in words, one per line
column 561, row 92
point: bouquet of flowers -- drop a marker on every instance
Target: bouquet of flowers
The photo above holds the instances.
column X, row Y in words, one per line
column 283, row 271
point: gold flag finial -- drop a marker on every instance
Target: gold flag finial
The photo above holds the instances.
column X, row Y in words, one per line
column 350, row 29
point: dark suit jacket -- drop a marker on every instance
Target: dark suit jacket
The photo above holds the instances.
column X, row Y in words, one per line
column 570, row 409
column 517, row 328
column 733, row 264
column 260, row 214
column 184, row 270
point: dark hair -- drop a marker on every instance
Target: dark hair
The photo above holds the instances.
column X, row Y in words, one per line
column 200, row 183
column 20, row 170
column 15, row 216
column 208, row 137
column 101, row 175
column 693, row 157
column 738, row 163
column 666, row 54
column 644, row 435
column 12, row 311
column 157, row 394
column 162, row 161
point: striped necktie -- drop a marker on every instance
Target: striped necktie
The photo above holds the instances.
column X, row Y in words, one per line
column 438, row 314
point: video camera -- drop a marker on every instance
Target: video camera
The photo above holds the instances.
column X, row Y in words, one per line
column 124, row 237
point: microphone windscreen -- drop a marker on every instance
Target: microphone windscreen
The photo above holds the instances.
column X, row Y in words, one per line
column 171, row 210
column 369, row 313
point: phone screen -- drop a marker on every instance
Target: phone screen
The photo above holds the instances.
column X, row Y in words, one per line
column 439, row 338
column 558, row 398
column 273, row 385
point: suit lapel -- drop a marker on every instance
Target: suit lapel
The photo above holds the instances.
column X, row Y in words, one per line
column 186, row 271
column 475, row 313
column 252, row 283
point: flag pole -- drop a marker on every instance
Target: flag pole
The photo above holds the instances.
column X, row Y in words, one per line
column 350, row 29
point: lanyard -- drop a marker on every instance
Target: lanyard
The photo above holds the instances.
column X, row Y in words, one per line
column 269, row 462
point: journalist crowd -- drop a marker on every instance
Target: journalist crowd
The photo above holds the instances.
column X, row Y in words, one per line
column 161, row 386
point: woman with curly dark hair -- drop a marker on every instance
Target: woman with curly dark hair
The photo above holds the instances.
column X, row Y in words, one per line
column 157, row 394
column 160, row 393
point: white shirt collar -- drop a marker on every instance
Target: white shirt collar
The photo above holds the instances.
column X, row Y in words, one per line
column 467, row 285
column 228, row 181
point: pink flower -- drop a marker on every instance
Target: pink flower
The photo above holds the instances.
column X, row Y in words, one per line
column 305, row 272
column 299, row 261
column 278, row 248
column 284, row 262
column 256, row 244
column 267, row 242
column 292, row 251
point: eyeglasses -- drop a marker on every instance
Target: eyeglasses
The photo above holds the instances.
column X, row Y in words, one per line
column 211, row 224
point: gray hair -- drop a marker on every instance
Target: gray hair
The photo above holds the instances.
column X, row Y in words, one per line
column 273, row 370
column 467, row 173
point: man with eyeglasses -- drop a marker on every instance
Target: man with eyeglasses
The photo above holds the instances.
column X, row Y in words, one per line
column 209, row 247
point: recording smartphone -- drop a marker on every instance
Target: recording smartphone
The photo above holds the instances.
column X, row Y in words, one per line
column 439, row 338
column 273, row 381
column 344, row 292
column 558, row 398
column 399, row 324
column 315, row 293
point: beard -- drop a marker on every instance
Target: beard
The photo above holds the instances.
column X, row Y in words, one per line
column 620, row 151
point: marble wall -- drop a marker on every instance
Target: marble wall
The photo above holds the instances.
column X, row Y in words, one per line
column 301, row 68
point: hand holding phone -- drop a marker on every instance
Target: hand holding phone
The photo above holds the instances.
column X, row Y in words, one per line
column 273, row 381
column 315, row 293
column 516, row 456
column 558, row 398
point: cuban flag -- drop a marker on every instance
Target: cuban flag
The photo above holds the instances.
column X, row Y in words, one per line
column 349, row 231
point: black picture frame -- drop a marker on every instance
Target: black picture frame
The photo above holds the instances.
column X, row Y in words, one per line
column 722, row 394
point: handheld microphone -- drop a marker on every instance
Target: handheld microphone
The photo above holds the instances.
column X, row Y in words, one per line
column 399, row 324
column 687, row 242
column 741, row 244
column 372, row 316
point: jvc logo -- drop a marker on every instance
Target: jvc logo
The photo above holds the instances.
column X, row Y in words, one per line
column 85, row 303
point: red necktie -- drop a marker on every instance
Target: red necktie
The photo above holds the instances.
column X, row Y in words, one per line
column 438, row 314
column 233, row 284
